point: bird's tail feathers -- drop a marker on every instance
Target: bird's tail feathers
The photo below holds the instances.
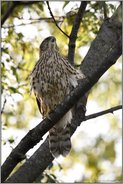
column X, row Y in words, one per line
column 59, row 141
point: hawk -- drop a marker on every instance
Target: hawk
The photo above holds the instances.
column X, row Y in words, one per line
column 52, row 78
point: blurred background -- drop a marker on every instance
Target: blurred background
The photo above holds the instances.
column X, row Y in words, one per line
column 96, row 145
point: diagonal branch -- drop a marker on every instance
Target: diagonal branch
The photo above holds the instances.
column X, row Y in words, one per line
column 55, row 20
column 75, row 28
column 95, row 115
column 41, row 162
column 4, row 103
column 36, row 134
column 94, row 69
column 8, row 12
column 14, row 4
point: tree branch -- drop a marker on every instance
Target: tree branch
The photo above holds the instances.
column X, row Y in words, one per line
column 39, row 161
column 95, row 115
column 75, row 28
column 105, row 10
column 100, row 62
column 55, row 20
column 33, row 22
column 4, row 103
column 10, row 9
column 8, row 13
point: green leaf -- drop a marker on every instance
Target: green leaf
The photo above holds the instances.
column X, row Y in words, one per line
column 66, row 3
column 14, row 90
column 11, row 140
column 40, row 6
column 110, row 151
column 5, row 50
column 14, row 70
column 20, row 36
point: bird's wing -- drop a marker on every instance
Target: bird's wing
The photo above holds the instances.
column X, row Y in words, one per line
column 71, row 70
column 39, row 104
column 43, row 108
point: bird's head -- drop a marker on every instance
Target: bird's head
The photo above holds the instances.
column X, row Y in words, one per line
column 48, row 43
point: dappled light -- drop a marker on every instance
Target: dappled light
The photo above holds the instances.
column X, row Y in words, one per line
column 96, row 144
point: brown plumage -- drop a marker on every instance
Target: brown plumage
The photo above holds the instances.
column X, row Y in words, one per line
column 51, row 80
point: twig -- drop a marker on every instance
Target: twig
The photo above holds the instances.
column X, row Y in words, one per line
column 4, row 103
column 33, row 22
column 12, row 7
column 8, row 12
column 75, row 28
column 55, row 20
column 95, row 115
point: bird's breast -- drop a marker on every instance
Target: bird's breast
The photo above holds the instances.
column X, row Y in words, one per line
column 50, row 77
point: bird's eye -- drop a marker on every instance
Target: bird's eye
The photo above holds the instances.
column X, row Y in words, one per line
column 52, row 39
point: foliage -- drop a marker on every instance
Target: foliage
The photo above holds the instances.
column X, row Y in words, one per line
column 19, row 54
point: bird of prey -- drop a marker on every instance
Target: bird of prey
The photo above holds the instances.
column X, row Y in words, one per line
column 52, row 78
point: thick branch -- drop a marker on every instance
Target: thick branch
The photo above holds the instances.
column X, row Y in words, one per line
column 39, row 160
column 55, row 20
column 33, row 166
column 107, row 41
column 75, row 28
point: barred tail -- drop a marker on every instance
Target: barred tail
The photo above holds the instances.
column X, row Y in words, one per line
column 59, row 141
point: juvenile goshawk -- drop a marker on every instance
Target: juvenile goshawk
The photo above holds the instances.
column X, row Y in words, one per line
column 52, row 78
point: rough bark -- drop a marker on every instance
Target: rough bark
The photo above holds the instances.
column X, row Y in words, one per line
column 103, row 53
